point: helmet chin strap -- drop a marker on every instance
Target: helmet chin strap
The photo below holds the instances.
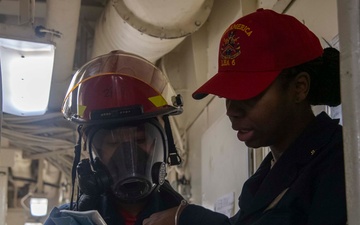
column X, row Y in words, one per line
column 77, row 152
column 173, row 158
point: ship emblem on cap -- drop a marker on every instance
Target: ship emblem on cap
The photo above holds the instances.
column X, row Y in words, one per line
column 230, row 47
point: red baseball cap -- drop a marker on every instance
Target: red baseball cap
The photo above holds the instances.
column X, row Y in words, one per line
column 254, row 50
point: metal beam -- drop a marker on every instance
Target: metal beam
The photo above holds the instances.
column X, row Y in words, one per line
column 349, row 36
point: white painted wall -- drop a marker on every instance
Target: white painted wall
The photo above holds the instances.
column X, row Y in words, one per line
column 224, row 163
column 211, row 141
column 218, row 161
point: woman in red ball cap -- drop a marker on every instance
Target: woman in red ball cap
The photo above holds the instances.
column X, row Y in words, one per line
column 271, row 70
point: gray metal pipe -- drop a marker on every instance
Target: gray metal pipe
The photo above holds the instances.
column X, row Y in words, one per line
column 349, row 39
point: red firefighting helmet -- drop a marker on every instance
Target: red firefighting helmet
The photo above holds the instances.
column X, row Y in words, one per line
column 119, row 87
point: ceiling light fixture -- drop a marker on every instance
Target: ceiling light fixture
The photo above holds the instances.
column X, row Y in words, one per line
column 38, row 205
column 26, row 71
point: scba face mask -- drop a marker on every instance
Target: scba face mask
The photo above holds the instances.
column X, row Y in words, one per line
column 134, row 156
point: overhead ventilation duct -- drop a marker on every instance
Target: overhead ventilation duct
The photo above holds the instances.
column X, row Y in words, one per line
column 149, row 28
column 63, row 17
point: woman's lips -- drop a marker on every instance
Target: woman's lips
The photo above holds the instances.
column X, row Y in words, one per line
column 245, row 135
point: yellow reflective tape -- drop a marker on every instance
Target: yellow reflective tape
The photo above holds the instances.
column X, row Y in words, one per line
column 81, row 110
column 158, row 101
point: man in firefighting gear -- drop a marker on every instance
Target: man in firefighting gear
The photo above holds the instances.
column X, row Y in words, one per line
column 121, row 104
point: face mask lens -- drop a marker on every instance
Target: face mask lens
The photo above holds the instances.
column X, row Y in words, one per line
column 129, row 153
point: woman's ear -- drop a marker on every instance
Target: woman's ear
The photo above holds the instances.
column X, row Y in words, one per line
column 302, row 86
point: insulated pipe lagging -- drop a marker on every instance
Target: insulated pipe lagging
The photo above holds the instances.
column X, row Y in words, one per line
column 62, row 16
column 150, row 28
